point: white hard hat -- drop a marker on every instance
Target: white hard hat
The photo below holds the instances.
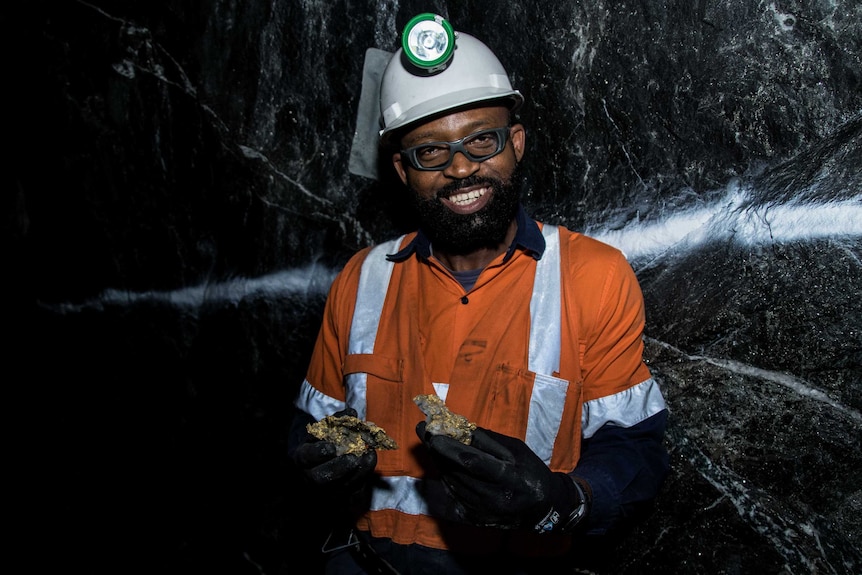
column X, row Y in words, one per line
column 472, row 75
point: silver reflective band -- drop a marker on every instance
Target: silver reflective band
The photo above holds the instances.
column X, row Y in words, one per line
column 477, row 147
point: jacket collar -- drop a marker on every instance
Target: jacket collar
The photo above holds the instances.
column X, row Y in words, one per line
column 528, row 238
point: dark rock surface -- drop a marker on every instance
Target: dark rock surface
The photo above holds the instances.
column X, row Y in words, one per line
column 178, row 200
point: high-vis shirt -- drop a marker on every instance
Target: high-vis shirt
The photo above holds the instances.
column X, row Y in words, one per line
column 546, row 346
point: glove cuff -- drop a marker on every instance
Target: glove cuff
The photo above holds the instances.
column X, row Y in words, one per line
column 570, row 504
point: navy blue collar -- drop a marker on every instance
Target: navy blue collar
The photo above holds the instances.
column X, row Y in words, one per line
column 528, row 238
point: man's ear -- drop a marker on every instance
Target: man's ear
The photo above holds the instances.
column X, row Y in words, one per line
column 519, row 136
column 399, row 167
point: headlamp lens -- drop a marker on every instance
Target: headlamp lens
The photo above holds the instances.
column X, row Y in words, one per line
column 428, row 41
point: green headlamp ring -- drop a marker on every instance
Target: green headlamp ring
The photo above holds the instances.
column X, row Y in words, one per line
column 428, row 41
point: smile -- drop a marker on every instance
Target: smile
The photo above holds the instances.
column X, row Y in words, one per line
column 467, row 197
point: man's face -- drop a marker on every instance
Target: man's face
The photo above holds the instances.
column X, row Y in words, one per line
column 468, row 205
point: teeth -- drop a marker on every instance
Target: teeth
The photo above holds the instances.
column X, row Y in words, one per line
column 468, row 197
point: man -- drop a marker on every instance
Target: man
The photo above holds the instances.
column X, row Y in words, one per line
column 530, row 331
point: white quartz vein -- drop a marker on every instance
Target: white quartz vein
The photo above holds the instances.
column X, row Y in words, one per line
column 792, row 382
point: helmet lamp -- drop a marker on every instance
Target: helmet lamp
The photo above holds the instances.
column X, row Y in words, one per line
column 428, row 41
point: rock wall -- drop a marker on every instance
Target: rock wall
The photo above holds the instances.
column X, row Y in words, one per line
column 179, row 200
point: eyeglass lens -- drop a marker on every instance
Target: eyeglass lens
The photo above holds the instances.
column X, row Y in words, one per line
column 477, row 147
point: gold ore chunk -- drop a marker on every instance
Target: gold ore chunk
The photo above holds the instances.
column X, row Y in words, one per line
column 441, row 421
column 350, row 434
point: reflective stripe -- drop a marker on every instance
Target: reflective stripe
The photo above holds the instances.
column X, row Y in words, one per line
column 415, row 496
column 315, row 403
column 401, row 493
column 370, row 295
column 623, row 409
column 545, row 308
column 546, row 413
column 549, row 393
column 441, row 389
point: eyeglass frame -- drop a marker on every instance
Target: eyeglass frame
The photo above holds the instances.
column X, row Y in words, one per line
column 409, row 154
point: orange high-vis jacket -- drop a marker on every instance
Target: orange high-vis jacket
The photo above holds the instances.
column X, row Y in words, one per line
column 495, row 354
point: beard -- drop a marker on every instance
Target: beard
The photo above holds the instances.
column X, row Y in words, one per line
column 461, row 234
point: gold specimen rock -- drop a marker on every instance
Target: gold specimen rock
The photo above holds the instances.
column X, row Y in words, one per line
column 350, row 434
column 441, row 421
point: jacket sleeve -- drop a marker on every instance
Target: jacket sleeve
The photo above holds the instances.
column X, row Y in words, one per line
column 623, row 458
column 322, row 391
column 625, row 468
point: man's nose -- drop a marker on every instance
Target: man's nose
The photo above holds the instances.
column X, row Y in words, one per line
column 461, row 166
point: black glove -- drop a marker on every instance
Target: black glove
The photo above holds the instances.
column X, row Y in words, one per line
column 320, row 464
column 500, row 482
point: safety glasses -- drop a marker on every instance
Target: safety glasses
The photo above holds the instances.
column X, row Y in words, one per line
column 477, row 147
